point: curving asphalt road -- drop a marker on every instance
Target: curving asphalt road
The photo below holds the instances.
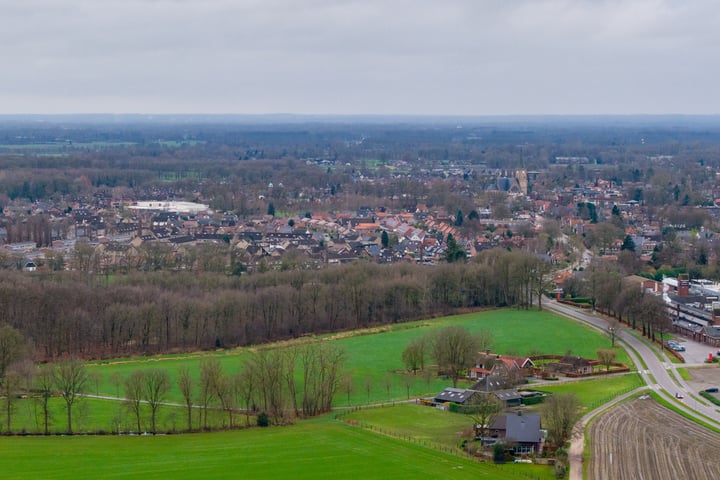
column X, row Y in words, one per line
column 660, row 375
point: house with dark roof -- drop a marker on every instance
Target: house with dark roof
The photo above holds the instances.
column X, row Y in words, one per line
column 455, row 395
column 509, row 398
column 519, row 431
column 570, row 365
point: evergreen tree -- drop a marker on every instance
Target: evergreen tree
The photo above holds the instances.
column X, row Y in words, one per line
column 454, row 252
column 459, row 219
column 385, row 239
column 628, row 244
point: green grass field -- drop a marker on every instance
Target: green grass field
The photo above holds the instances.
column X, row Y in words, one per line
column 407, row 441
column 421, row 423
column 376, row 358
column 430, row 427
column 372, row 359
column 96, row 415
column 318, row 449
column 594, row 392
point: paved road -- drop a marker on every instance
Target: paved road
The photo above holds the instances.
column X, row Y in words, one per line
column 660, row 375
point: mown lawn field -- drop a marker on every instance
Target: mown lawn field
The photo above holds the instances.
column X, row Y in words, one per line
column 318, row 449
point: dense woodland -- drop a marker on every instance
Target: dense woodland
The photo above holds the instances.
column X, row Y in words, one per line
column 63, row 314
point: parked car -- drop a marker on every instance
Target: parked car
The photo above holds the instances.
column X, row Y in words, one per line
column 678, row 348
column 712, row 390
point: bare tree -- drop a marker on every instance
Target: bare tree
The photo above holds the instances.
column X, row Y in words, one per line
column 10, row 388
column 116, row 381
column 560, row 412
column 485, row 340
column 95, row 377
column 246, row 388
column 291, row 355
column 185, row 383
column 156, row 388
column 368, row 385
column 428, row 375
column 347, row 385
column 409, row 383
column 606, row 357
column 84, row 258
column 44, row 382
column 70, row 379
column 225, row 391
column 134, row 386
column 331, row 362
column 269, row 368
column 387, row 382
column 414, row 355
column 210, row 371
column 660, row 324
column 320, row 365
column 626, row 303
column 485, row 407
column 455, row 349
column 651, row 312
column 12, row 347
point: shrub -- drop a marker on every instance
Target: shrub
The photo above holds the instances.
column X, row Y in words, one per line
column 263, row 420
column 499, row 453
column 533, row 400
column 710, row 397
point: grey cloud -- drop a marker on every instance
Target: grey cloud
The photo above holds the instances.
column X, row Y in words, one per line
column 372, row 56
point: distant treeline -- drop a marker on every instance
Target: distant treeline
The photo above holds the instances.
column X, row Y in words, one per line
column 66, row 314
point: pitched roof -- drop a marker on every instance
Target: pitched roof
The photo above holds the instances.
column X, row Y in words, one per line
column 456, row 395
column 523, row 427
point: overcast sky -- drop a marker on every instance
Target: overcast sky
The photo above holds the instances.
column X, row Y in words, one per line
column 454, row 57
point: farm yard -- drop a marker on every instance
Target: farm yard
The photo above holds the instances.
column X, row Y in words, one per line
column 642, row 439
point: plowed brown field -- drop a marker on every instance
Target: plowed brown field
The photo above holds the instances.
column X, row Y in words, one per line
column 641, row 440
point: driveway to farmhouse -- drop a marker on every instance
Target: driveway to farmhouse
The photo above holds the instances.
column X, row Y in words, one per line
column 660, row 374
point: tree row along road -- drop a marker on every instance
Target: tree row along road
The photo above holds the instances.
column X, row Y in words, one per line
column 660, row 376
